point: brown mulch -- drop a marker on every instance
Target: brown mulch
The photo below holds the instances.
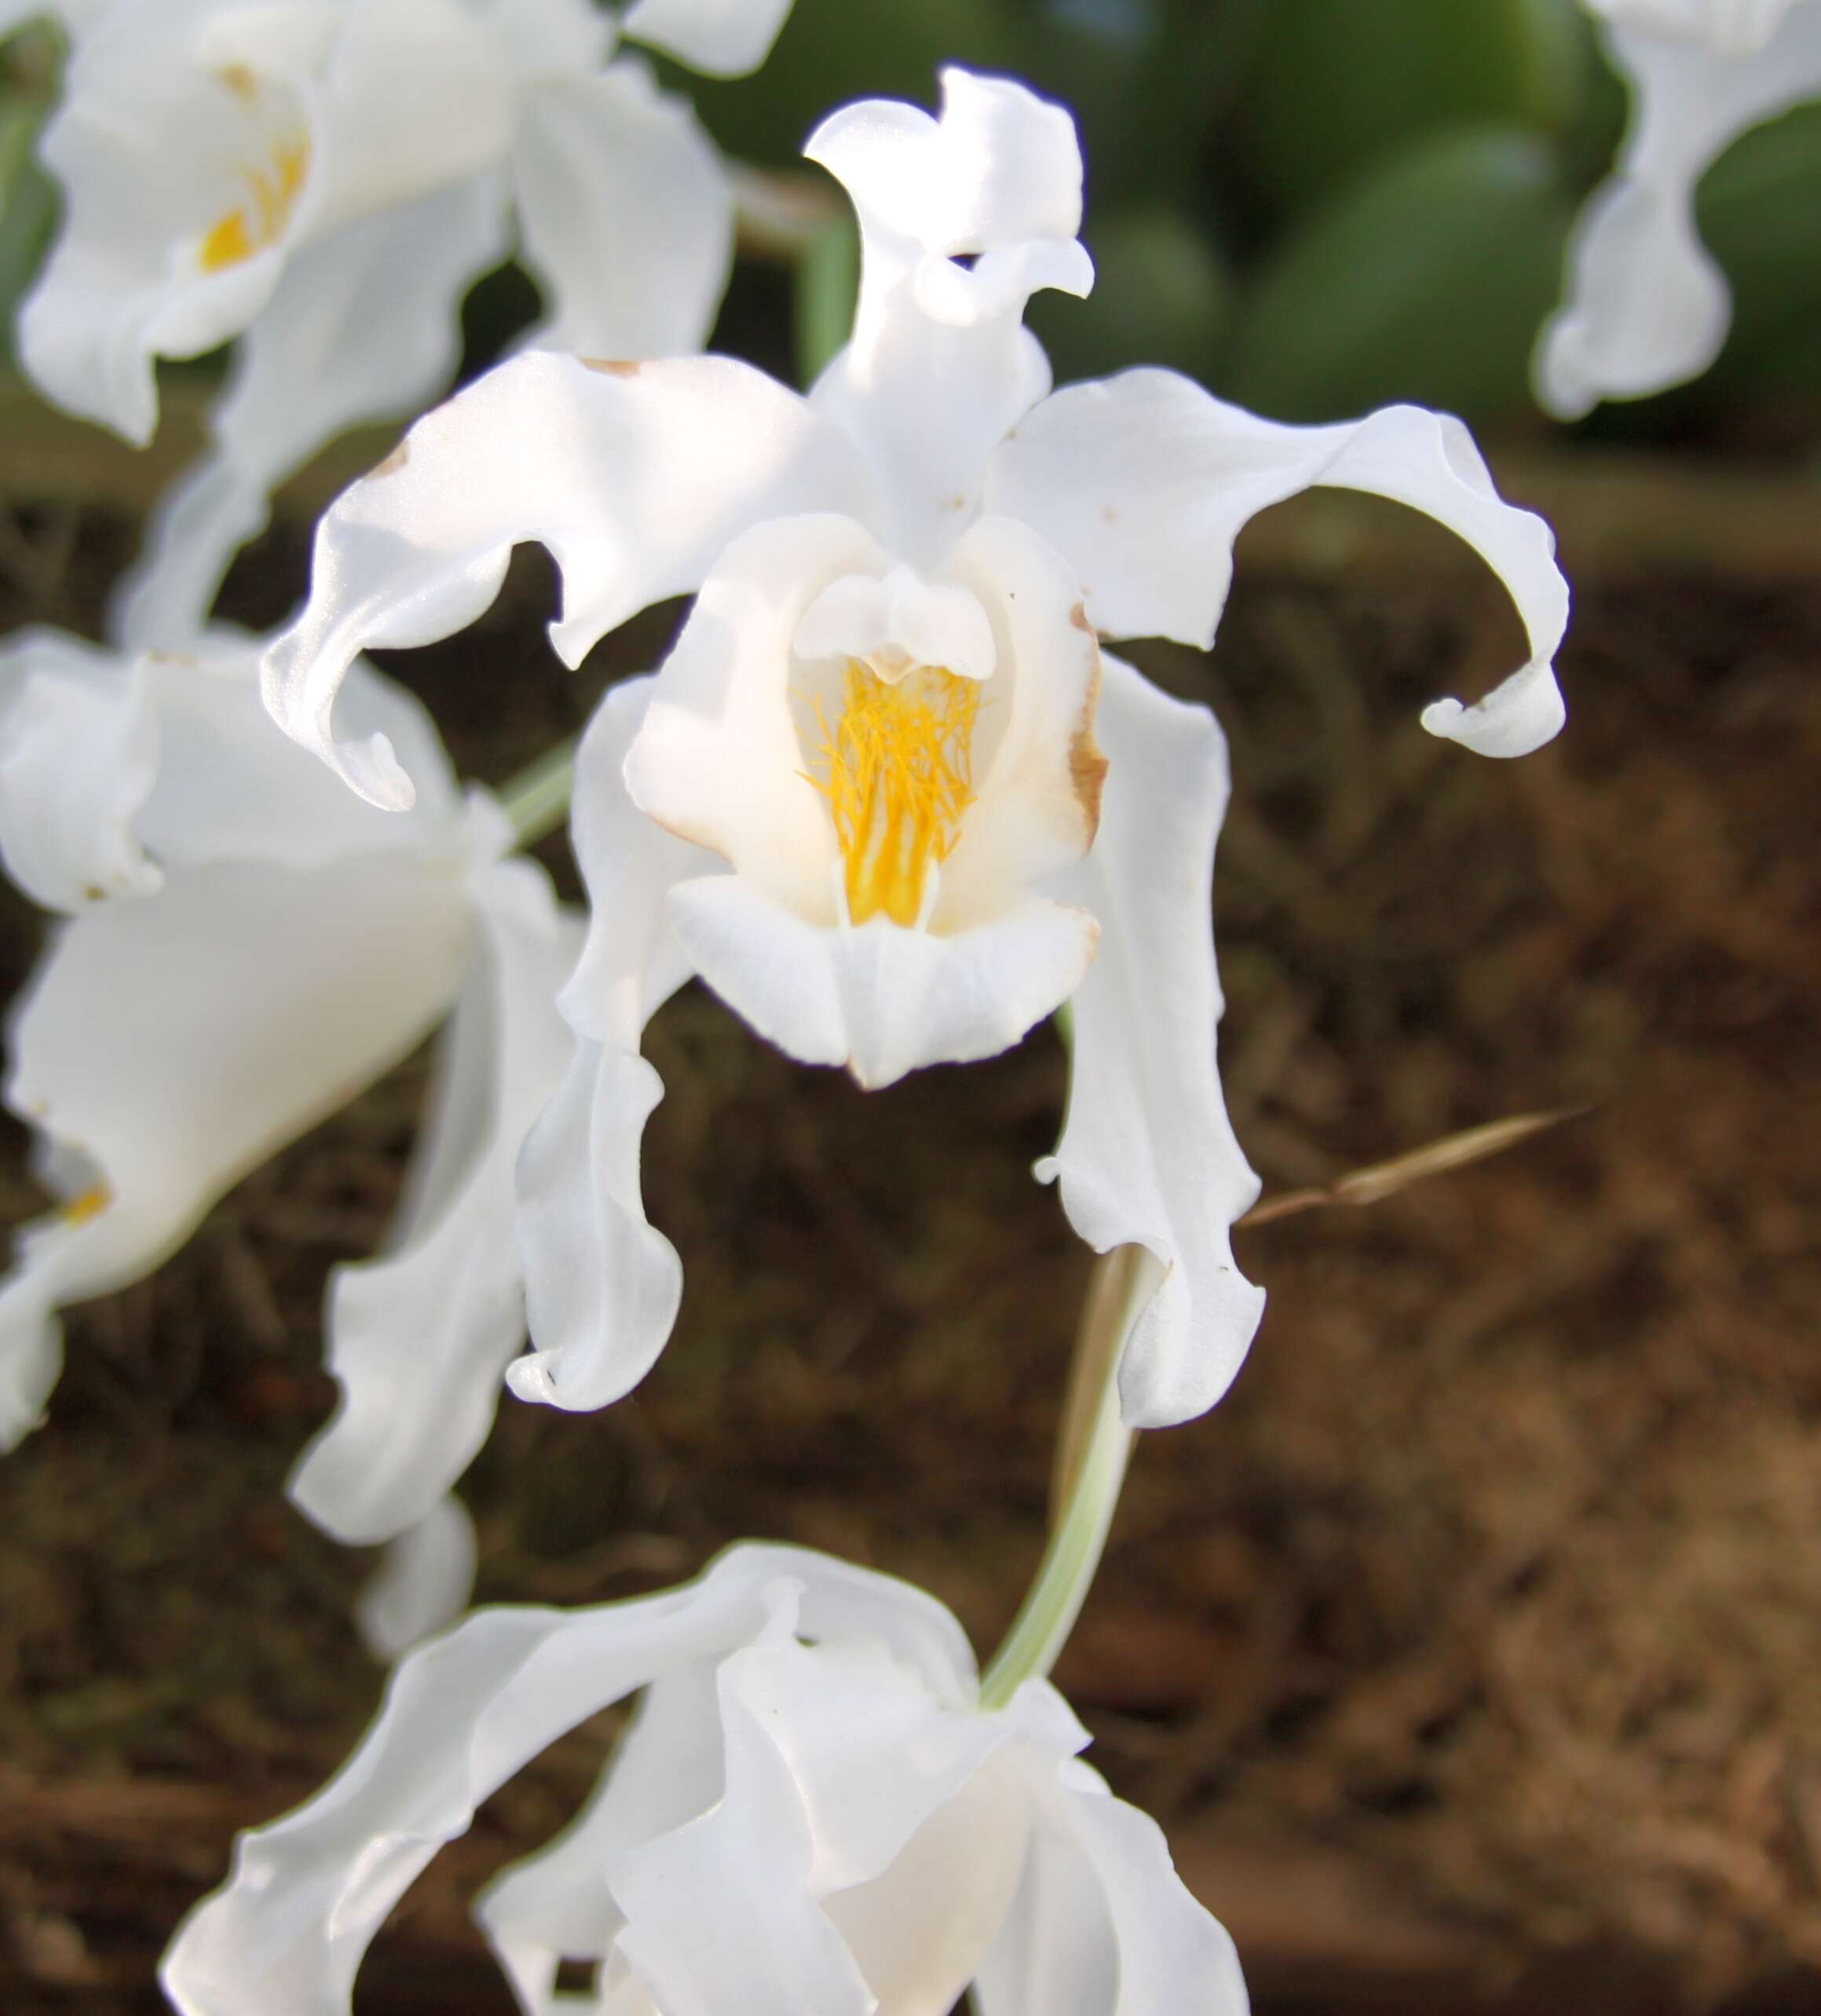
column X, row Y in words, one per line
column 1469, row 1652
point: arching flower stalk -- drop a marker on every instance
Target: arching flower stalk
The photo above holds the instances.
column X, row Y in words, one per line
column 1648, row 307
column 243, row 946
column 887, row 796
column 324, row 180
column 811, row 1811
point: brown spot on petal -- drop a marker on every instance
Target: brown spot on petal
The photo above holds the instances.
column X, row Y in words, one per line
column 614, row 367
column 238, row 79
column 93, row 892
column 1087, row 759
column 392, row 463
column 1078, row 616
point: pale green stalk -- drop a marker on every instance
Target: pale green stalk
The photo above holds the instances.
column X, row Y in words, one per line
column 1092, row 1455
column 536, row 800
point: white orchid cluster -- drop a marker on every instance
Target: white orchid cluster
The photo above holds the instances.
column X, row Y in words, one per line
column 888, row 795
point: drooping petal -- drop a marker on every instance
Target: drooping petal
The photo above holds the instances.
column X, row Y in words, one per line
column 1648, row 307
column 601, row 1286
column 1176, row 1958
column 178, row 1040
column 1147, row 1155
column 940, row 365
column 1143, row 481
column 634, row 477
column 555, row 1905
column 79, row 740
column 362, row 327
column 423, row 1584
column 719, row 38
column 625, row 214
column 419, row 1339
column 285, row 1936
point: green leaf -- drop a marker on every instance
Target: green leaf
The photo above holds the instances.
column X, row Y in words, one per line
column 1340, row 84
column 1427, row 280
column 1759, row 212
column 1161, row 295
column 28, row 207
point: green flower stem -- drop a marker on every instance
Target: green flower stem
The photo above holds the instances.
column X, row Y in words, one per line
column 1092, row 1451
column 536, row 800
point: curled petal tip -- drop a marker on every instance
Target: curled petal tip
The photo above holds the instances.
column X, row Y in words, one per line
column 529, row 1379
column 1515, row 717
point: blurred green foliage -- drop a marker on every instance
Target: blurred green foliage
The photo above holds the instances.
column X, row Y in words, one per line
column 1312, row 205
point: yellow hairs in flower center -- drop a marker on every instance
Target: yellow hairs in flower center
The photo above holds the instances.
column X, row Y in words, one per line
column 899, row 776
column 260, row 222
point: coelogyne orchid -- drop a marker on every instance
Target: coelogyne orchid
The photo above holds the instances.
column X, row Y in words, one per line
column 811, row 1811
column 325, row 179
column 244, row 947
column 1648, row 307
column 886, row 795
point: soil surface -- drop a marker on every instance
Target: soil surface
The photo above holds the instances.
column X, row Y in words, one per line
column 1470, row 1653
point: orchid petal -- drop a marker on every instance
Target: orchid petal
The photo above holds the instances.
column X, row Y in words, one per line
column 31, row 1337
column 285, row 1935
column 718, row 760
column 634, row 475
column 626, row 215
column 719, row 37
column 1176, row 1958
column 420, row 1338
column 940, row 365
column 1143, row 481
column 79, row 744
column 383, row 145
column 554, row 1905
column 182, row 1039
column 363, row 326
column 144, row 144
column 878, row 997
column 1648, row 307
column 602, row 1287
column 1056, row 1954
column 422, row 1583
column 1147, row 1155
column 773, row 1950
column 231, row 788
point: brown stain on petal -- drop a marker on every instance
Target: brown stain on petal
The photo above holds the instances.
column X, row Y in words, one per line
column 392, row 463
column 1087, row 759
column 613, row 366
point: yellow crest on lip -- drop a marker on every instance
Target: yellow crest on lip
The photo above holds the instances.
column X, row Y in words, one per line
column 261, row 221
column 90, row 1204
column 900, row 778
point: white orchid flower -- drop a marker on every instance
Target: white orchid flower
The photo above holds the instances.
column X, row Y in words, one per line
column 1648, row 307
column 811, row 1812
column 244, row 947
column 886, row 796
column 325, row 179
